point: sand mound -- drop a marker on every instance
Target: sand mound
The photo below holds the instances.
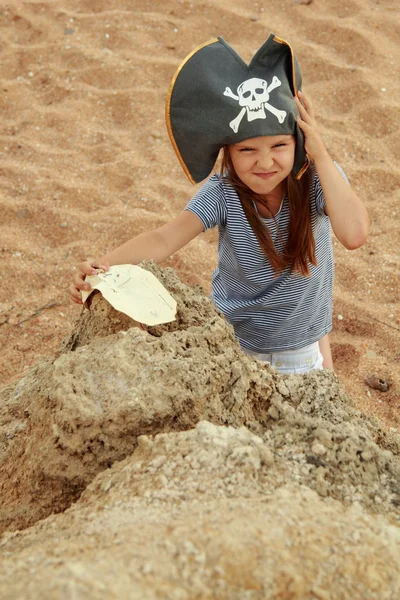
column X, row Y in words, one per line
column 256, row 484
column 188, row 470
column 86, row 161
column 188, row 516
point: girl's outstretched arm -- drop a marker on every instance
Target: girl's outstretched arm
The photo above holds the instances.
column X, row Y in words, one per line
column 347, row 213
column 158, row 245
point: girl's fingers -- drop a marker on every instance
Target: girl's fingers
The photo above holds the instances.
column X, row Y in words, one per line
column 79, row 282
column 303, row 125
column 75, row 294
column 302, row 108
column 88, row 268
column 303, row 112
column 306, row 103
column 92, row 267
column 104, row 267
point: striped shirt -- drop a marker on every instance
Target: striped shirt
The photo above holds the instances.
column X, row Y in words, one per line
column 268, row 313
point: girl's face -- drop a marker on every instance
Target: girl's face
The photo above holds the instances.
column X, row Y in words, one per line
column 263, row 163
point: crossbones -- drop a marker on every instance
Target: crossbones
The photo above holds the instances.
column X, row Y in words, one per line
column 253, row 96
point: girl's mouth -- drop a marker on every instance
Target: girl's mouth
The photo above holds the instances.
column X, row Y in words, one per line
column 264, row 175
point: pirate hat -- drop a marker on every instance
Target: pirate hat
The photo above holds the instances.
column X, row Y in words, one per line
column 216, row 99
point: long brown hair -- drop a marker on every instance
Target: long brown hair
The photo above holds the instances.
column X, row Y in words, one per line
column 299, row 251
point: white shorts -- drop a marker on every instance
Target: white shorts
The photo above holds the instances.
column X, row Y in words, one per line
column 302, row 360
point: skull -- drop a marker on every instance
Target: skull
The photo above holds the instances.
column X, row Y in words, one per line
column 252, row 94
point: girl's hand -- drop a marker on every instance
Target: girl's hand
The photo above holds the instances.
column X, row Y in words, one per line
column 313, row 143
column 78, row 282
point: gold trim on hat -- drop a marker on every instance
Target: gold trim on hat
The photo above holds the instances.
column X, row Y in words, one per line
column 168, row 106
column 281, row 41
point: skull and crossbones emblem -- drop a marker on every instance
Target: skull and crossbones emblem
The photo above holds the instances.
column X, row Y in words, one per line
column 253, row 96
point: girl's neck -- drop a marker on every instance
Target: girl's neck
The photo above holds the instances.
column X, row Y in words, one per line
column 276, row 195
column 270, row 203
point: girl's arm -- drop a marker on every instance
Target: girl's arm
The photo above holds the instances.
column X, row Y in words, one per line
column 347, row 213
column 158, row 245
column 325, row 349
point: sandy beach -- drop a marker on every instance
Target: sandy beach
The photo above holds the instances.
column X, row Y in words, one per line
column 147, row 463
column 86, row 163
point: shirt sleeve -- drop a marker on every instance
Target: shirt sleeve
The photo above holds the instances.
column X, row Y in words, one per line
column 209, row 203
column 319, row 194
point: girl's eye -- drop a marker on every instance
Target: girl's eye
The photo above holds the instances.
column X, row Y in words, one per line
column 246, row 149
column 279, row 145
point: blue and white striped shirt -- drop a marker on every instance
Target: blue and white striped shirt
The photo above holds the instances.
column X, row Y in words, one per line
column 268, row 313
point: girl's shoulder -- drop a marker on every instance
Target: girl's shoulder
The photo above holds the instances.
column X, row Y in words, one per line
column 213, row 183
column 219, row 180
column 210, row 202
column 217, row 186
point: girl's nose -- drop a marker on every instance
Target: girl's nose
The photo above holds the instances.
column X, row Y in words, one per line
column 265, row 159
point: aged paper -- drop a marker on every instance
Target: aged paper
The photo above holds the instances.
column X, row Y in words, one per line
column 135, row 292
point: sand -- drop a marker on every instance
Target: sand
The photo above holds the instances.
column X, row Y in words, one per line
column 182, row 468
column 86, row 161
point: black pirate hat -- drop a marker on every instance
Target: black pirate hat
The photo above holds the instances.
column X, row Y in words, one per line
column 216, row 99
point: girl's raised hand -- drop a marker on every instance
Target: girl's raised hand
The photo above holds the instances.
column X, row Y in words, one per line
column 78, row 282
column 313, row 142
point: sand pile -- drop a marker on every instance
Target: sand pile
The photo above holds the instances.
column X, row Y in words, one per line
column 189, row 472
column 86, row 162
column 254, row 486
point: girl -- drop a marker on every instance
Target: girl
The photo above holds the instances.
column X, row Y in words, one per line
column 275, row 200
